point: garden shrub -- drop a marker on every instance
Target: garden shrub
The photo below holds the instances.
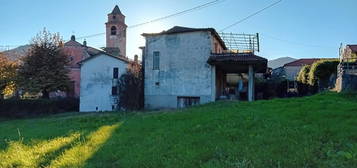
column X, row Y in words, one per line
column 322, row 70
column 303, row 76
column 15, row 108
column 271, row 88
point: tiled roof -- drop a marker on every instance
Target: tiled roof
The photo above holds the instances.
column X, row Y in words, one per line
column 73, row 43
column 116, row 10
column 93, row 52
column 302, row 62
column 353, row 47
column 179, row 29
column 238, row 62
column 242, row 57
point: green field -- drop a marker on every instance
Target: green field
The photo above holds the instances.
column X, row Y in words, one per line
column 316, row 131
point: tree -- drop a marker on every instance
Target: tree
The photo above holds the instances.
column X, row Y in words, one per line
column 44, row 68
column 8, row 72
column 131, row 92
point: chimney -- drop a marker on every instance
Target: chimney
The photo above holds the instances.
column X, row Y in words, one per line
column 85, row 43
column 73, row 38
column 136, row 58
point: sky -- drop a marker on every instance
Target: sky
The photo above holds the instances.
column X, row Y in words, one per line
column 292, row 28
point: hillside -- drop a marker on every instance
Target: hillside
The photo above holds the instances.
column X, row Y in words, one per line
column 276, row 63
column 17, row 53
column 317, row 131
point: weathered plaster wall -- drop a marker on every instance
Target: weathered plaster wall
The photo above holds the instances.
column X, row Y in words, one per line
column 183, row 69
column 97, row 83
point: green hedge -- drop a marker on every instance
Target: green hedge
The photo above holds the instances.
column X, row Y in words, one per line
column 14, row 108
column 322, row 70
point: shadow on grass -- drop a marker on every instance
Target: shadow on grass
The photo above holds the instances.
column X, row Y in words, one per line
column 63, row 151
column 81, row 152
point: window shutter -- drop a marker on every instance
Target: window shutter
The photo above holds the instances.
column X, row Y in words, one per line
column 156, row 60
column 115, row 73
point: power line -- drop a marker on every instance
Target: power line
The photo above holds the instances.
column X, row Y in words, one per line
column 253, row 14
column 294, row 42
column 202, row 6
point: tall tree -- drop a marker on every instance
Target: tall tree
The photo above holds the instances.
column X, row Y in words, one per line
column 131, row 93
column 44, row 68
column 8, row 71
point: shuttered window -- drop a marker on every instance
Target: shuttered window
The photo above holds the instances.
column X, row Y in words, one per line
column 115, row 73
column 156, row 60
column 114, row 91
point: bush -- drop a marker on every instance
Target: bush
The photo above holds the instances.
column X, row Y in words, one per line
column 131, row 93
column 271, row 88
column 303, row 76
column 321, row 71
column 15, row 108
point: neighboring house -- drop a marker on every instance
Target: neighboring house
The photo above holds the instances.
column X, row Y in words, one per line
column 347, row 69
column 188, row 66
column 77, row 52
column 99, row 78
column 348, row 53
column 292, row 69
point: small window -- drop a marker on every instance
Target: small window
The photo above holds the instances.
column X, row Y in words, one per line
column 114, row 91
column 115, row 73
column 114, row 17
column 156, row 60
column 183, row 102
column 113, row 30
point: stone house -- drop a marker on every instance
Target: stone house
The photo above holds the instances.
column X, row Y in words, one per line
column 77, row 52
column 99, row 77
column 188, row 66
column 292, row 69
column 347, row 69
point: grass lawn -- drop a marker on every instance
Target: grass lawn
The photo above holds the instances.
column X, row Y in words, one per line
column 316, row 131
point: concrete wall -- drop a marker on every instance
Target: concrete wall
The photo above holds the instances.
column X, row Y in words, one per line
column 183, row 69
column 292, row 72
column 97, row 83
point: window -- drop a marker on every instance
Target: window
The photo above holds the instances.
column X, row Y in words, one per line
column 183, row 102
column 115, row 73
column 114, row 17
column 113, row 30
column 114, row 91
column 156, row 60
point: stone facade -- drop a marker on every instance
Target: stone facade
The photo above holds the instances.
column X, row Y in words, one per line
column 183, row 71
column 97, row 82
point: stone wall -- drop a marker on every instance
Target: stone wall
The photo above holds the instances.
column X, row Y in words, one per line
column 346, row 82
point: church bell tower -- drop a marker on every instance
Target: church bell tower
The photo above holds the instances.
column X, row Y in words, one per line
column 116, row 33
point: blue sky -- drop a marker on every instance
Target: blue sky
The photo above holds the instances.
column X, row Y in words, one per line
column 295, row 28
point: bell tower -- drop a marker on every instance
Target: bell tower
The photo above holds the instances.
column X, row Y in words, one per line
column 116, row 33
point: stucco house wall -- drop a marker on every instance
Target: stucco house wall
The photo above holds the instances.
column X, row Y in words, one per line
column 183, row 72
column 292, row 72
column 97, row 82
